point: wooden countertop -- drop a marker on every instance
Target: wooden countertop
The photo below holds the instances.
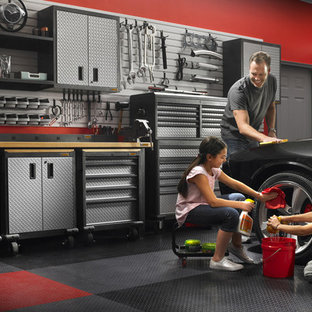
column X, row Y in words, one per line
column 16, row 144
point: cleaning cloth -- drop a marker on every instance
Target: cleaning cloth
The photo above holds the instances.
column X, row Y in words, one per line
column 278, row 202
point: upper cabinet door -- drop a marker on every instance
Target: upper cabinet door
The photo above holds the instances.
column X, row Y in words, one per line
column 71, row 48
column 103, row 52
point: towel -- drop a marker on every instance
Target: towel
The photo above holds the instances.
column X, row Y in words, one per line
column 278, row 202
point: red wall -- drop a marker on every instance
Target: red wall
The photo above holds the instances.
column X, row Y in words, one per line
column 284, row 22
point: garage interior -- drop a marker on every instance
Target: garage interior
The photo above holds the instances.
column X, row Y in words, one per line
column 102, row 108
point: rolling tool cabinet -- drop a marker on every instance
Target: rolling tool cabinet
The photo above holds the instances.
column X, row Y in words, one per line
column 179, row 122
column 112, row 191
column 39, row 197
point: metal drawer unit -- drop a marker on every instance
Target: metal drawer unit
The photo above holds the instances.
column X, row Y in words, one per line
column 113, row 190
column 39, row 196
column 170, row 158
column 179, row 122
column 178, row 116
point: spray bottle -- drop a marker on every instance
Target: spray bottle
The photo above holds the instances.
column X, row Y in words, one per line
column 245, row 221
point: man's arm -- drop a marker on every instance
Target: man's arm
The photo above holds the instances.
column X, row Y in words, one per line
column 270, row 119
column 242, row 121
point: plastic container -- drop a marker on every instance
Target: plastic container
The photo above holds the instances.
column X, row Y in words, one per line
column 245, row 222
column 278, row 254
column 208, row 247
column 192, row 245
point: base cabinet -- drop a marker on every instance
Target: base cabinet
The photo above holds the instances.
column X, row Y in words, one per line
column 40, row 192
column 112, row 189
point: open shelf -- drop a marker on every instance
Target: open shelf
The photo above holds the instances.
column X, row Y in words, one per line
column 22, row 84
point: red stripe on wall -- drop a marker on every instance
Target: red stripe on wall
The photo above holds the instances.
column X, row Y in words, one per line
column 45, row 130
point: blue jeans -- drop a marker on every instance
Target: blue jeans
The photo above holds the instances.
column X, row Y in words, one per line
column 236, row 145
column 225, row 217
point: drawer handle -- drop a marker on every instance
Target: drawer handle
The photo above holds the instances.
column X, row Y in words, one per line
column 80, row 73
column 32, row 171
column 50, row 171
column 95, row 75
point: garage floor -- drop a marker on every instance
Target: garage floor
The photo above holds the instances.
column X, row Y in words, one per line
column 115, row 274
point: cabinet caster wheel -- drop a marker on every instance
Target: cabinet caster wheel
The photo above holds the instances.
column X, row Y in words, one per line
column 14, row 248
column 69, row 242
column 89, row 239
column 132, row 234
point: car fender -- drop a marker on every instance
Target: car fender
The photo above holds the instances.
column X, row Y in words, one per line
column 278, row 166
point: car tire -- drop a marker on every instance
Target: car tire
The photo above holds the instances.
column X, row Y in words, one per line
column 298, row 190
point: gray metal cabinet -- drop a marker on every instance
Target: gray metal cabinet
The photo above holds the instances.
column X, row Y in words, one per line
column 165, row 166
column 236, row 54
column 40, row 192
column 113, row 189
column 179, row 122
column 86, row 49
column 173, row 116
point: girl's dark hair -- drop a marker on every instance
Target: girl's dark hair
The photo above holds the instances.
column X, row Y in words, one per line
column 210, row 145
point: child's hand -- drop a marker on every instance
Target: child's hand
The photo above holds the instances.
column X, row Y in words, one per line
column 247, row 206
column 266, row 197
column 274, row 222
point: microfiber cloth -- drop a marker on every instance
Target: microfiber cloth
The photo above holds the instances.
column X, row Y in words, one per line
column 278, row 202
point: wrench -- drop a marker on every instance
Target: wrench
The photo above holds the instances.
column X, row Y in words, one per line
column 142, row 69
column 152, row 37
column 132, row 73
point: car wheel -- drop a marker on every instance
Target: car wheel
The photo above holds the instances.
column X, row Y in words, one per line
column 298, row 190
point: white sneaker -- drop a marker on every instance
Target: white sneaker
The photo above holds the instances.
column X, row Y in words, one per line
column 307, row 272
column 240, row 253
column 225, row 265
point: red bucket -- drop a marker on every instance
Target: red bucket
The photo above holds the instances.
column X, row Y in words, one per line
column 278, row 256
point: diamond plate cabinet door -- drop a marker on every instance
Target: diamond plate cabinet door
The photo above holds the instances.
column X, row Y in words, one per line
column 86, row 48
column 40, row 194
column 24, row 195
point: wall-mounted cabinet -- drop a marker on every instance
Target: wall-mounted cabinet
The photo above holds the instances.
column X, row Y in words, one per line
column 86, row 49
column 236, row 54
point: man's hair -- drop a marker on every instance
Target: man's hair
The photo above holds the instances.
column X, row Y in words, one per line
column 261, row 57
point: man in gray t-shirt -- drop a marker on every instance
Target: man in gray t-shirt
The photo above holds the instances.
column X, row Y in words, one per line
column 250, row 100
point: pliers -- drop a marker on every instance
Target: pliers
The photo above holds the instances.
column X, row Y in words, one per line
column 108, row 111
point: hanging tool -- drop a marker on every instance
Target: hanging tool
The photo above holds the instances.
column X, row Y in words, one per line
column 152, row 38
column 160, row 89
column 132, row 73
column 197, row 65
column 163, row 49
column 181, row 63
column 56, row 112
column 108, row 111
column 206, row 53
column 202, row 78
column 119, row 106
column 165, row 81
column 142, row 67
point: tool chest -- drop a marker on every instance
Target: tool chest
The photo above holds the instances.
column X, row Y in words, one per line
column 38, row 194
column 178, row 116
column 112, row 196
column 179, row 123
